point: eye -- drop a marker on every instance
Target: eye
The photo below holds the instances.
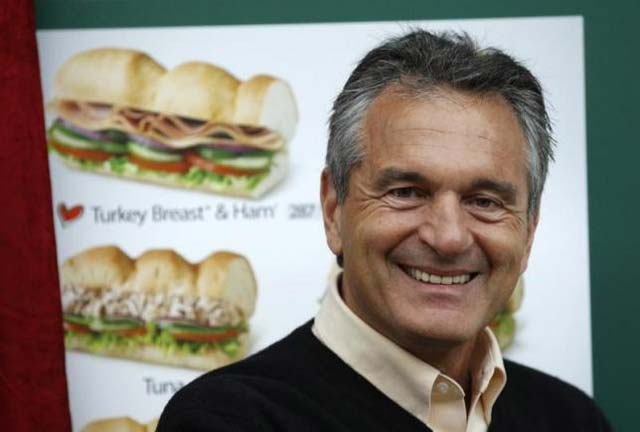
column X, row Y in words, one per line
column 405, row 193
column 485, row 203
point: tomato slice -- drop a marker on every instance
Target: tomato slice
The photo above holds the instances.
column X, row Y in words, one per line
column 140, row 331
column 207, row 165
column 171, row 167
column 204, row 337
column 77, row 328
column 86, row 154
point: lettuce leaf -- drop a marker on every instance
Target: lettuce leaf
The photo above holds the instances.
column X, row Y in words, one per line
column 121, row 166
column 98, row 342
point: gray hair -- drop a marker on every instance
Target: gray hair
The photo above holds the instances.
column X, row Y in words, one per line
column 421, row 62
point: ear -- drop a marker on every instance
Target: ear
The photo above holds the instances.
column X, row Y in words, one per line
column 331, row 211
column 531, row 232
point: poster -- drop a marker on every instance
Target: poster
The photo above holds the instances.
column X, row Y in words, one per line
column 278, row 233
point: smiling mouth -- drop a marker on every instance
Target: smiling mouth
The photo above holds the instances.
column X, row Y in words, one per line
column 456, row 279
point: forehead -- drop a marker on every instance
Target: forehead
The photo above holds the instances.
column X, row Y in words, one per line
column 443, row 124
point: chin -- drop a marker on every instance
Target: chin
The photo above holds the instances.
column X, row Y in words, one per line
column 446, row 330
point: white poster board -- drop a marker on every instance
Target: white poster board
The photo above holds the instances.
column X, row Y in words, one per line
column 281, row 232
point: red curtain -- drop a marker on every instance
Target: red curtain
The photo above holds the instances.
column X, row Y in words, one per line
column 33, row 389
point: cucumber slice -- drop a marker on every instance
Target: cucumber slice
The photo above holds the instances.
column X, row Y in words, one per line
column 215, row 154
column 71, row 139
column 185, row 328
column 146, row 153
column 77, row 319
column 246, row 162
column 112, row 147
column 113, row 325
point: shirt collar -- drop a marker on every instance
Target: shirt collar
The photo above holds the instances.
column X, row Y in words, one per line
column 404, row 378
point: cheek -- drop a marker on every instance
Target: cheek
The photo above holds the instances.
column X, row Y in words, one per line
column 381, row 230
column 504, row 248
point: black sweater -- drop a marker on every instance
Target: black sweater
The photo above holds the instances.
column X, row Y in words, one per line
column 299, row 385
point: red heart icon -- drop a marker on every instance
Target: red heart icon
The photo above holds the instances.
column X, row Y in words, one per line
column 69, row 214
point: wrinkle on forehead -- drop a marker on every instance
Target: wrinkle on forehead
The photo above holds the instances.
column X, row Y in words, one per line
column 392, row 112
column 441, row 131
column 460, row 133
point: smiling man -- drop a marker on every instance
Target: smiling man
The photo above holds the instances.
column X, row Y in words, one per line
column 437, row 157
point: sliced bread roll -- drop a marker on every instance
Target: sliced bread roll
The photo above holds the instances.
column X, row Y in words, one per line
column 515, row 301
column 110, row 75
column 228, row 276
column 162, row 271
column 198, row 90
column 116, row 424
column 101, row 267
column 208, row 360
column 186, row 291
column 268, row 102
column 152, row 425
column 222, row 275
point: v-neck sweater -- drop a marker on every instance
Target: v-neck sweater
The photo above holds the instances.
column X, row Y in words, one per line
column 298, row 384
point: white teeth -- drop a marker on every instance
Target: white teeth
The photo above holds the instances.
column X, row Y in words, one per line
column 436, row 279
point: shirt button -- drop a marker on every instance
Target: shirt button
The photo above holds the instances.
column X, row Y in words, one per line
column 442, row 387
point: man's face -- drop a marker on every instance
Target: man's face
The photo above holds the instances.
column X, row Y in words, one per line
column 434, row 229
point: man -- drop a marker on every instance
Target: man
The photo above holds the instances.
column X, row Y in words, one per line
column 437, row 158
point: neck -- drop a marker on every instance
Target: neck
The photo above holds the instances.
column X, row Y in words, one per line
column 452, row 360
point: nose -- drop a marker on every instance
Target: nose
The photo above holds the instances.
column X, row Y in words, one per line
column 444, row 228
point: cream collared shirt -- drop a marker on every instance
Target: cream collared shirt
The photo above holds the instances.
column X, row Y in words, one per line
column 424, row 391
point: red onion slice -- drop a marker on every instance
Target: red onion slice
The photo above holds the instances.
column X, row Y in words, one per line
column 95, row 135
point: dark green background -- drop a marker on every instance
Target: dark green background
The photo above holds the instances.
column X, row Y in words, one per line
column 612, row 70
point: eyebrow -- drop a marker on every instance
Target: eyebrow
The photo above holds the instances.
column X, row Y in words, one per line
column 390, row 176
column 508, row 191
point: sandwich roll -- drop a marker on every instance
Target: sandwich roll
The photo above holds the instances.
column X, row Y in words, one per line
column 158, row 308
column 504, row 324
column 205, row 361
column 110, row 76
column 162, row 272
column 267, row 101
column 120, row 424
column 197, row 90
column 515, row 301
column 195, row 126
column 228, row 276
column 152, row 425
column 98, row 268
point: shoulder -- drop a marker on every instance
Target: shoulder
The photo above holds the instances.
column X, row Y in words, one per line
column 217, row 402
column 547, row 401
column 237, row 397
column 523, row 380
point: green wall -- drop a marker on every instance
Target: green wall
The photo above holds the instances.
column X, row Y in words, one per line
column 612, row 74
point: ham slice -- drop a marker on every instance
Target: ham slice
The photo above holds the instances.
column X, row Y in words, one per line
column 171, row 130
